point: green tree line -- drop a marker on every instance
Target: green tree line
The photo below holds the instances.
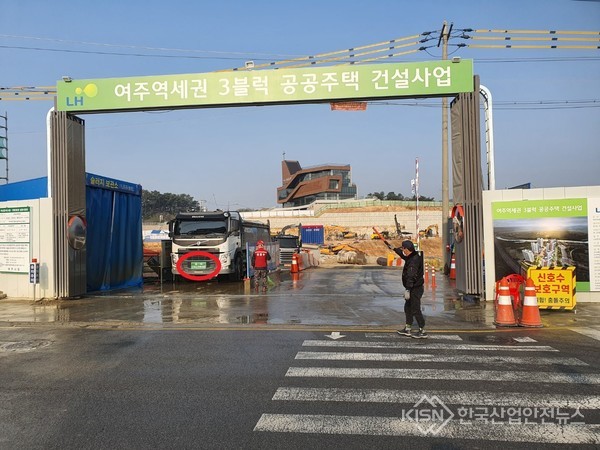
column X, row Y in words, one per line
column 393, row 196
column 156, row 204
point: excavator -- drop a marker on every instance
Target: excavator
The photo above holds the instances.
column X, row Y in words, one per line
column 430, row 231
column 380, row 235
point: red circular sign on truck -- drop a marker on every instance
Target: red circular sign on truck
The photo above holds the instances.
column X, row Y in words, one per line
column 213, row 274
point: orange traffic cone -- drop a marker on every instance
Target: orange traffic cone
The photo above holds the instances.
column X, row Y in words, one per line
column 530, row 317
column 453, row 268
column 505, row 316
column 294, row 268
column 426, row 273
column 433, row 284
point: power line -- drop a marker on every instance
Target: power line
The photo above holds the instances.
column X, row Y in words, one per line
column 536, row 60
column 520, row 39
column 141, row 47
column 559, row 32
column 510, row 105
column 349, row 55
column 141, row 55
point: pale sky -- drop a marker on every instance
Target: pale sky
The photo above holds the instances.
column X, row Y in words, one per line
column 546, row 119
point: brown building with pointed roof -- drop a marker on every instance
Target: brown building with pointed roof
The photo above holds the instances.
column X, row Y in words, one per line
column 301, row 187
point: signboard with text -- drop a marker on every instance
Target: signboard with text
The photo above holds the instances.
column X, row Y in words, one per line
column 280, row 86
column 112, row 185
column 14, row 239
column 554, row 287
column 546, row 233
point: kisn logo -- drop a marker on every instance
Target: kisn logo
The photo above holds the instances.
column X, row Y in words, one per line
column 430, row 415
column 90, row 90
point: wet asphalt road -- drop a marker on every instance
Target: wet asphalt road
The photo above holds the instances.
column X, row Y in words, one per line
column 351, row 296
column 71, row 388
column 214, row 365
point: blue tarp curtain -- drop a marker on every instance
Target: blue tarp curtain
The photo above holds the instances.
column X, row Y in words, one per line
column 114, row 239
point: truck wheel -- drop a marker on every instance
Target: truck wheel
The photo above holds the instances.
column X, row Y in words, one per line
column 236, row 275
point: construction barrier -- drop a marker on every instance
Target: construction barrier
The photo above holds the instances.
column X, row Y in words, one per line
column 504, row 314
column 390, row 259
column 309, row 258
column 516, row 285
column 530, row 315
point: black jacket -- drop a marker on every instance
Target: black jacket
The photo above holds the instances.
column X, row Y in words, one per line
column 412, row 273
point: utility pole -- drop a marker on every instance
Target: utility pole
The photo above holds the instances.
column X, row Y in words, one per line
column 444, row 34
column 416, row 190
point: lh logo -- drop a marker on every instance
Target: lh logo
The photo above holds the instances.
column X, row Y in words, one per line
column 90, row 90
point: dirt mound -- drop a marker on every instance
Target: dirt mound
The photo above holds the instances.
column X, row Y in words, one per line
column 375, row 248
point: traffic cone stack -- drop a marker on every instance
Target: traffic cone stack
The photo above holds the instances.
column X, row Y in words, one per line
column 505, row 316
column 426, row 273
column 453, row 268
column 530, row 316
column 433, row 283
column 294, row 267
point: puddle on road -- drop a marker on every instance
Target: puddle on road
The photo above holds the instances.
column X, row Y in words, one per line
column 23, row 346
column 502, row 340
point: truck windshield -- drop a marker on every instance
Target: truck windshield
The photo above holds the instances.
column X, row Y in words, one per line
column 200, row 228
column 288, row 242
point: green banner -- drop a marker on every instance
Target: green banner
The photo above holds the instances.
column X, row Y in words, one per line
column 531, row 209
column 238, row 88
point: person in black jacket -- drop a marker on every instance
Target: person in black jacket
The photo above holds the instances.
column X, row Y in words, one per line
column 412, row 279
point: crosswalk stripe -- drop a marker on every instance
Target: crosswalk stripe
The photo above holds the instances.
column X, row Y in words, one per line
column 524, row 339
column 453, row 429
column 439, row 337
column 438, row 374
column 464, row 398
column 421, row 346
column 495, row 359
column 589, row 332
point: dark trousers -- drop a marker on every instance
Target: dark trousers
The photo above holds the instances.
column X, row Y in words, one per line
column 412, row 307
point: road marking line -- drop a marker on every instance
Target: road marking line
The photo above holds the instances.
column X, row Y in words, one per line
column 483, row 359
column 463, row 398
column 422, row 346
column 439, row 374
column 589, row 332
column 440, row 337
column 453, row 429
column 524, row 339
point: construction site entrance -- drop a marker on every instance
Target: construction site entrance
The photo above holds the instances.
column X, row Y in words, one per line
column 332, row 84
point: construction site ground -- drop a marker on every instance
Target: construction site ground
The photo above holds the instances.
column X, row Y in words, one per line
column 340, row 242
